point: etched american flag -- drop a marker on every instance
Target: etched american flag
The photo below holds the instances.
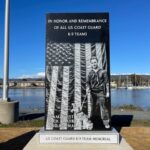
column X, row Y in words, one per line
column 67, row 68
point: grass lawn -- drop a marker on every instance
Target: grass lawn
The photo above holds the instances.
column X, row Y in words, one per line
column 40, row 123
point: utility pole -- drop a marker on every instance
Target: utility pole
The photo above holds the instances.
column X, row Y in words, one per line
column 6, row 53
column 9, row 110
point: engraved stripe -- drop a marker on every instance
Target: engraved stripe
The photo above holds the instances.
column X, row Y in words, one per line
column 77, row 94
column 98, row 54
column 103, row 56
column 83, row 79
column 88, row 68
column 52, row 98
column 64, row 102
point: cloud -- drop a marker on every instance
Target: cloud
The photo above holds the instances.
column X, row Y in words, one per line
column 42, row 75
column 37, row 75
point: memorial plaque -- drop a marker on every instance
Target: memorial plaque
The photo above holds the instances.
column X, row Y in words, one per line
column 77, row 72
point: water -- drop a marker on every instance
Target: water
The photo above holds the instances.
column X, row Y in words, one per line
column 137, row 97
column 29, row 99
column 33, row 99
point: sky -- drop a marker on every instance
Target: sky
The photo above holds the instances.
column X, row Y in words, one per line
column 129, row 33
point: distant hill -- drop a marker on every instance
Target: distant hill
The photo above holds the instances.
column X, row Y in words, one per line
column 125, row 76
column 113, row 78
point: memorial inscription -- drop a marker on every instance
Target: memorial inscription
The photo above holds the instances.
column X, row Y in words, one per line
column 77, row 72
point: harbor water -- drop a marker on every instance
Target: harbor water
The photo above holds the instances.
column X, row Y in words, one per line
column 34, row 99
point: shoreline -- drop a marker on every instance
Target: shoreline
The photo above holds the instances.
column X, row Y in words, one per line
column 112, row 88
column 38, row 87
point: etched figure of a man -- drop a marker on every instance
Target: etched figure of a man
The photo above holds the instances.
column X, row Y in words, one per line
column 97, row 80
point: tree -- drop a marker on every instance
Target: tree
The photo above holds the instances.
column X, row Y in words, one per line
column 136, row 79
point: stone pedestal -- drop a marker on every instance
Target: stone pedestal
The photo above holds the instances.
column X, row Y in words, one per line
column 9, row 112
column 78, row 137
column 84, row 140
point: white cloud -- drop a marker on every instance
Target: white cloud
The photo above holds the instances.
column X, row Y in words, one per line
column 37, row 75
column 42, row 75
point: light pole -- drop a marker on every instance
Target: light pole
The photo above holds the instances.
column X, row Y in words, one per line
column 9, row 110
column 6, row 53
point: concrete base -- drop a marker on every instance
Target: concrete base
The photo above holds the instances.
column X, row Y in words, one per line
column 34, row 143
column 78, row 137
column 9, row 112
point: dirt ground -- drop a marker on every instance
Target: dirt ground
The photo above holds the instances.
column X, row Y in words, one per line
column 17, row 138
column 137, row 137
